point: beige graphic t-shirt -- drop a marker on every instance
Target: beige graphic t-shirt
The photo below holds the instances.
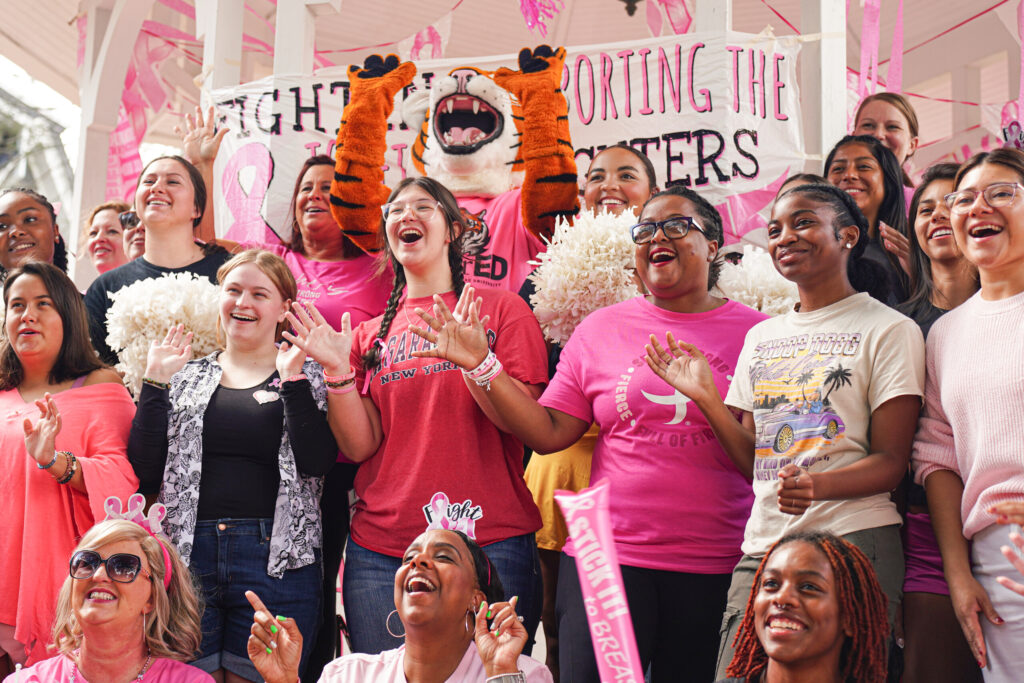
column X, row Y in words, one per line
column 812, row 381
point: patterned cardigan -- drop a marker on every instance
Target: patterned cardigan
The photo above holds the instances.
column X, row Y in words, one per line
column 296, row 531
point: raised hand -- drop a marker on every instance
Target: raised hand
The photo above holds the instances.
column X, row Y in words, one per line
column 170, row 355
column 275, row 644
column 459, row 337
column 796, row 490
column 500, row 646
column 896, row 243
column 542, row 64
column 327, row 346
column 683, row 366
column 290, row 359
column 39, row 438
column 199, row 140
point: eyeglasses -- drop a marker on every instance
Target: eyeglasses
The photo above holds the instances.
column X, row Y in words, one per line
column 996, row 195
column 674, row 228
column 121, row 567
column 423, row 209
column 128, row 220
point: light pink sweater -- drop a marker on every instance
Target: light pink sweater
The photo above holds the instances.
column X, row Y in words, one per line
column 973, row 420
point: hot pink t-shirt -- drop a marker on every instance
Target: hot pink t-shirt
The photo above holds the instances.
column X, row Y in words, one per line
column 337, row 286
column 499, row 242
column 677, row 501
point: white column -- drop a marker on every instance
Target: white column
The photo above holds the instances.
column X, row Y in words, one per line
column 113, row 26
column 219, row 26
column 294, row 33
column 966, row 88
column 823, row 76
column 714, row 15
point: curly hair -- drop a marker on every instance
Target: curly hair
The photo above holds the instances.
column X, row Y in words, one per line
column 487, row 578
column 710, row 220
column 862, row 606
column 456, row 226
column 173, row 627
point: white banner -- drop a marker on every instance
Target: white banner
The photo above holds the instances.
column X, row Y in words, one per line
column 717, row 112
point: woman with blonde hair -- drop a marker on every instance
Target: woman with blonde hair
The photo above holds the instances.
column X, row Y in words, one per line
column 103, row 236
column 127, row 611
column 237, row 444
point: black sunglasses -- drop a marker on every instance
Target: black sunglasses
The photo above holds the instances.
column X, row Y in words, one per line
column 121, row 567
column 128, row 219
column 674, row 228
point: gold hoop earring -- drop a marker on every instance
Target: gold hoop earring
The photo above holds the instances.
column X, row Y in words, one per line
column 387, row 625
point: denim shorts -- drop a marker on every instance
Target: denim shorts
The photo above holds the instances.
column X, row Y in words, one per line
column 229, row 557
column 369, row 590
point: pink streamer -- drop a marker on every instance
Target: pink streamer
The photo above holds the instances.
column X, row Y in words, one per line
column 678, row 15
column 869, row 35
column 82, row 24
column 536, row 12
column 894, row 79
column 740, row 212
column 653, row 18
column 1020, row 35
column 597, row 563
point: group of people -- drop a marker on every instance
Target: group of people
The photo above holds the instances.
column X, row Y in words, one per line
column 817, row 496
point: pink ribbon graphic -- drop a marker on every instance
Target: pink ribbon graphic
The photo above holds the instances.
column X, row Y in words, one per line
column 597, row 562
column 441, row 514
column 428, row 36
column 246, row 207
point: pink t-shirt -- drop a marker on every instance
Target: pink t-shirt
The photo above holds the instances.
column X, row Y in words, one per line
column 677, row 501
column 973, row 403
column 389, row 667
column 337, row 286
column 59, row 669
column 440, row 455
column 499, row 242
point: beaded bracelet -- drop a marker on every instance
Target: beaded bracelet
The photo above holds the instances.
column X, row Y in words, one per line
column 154, row 383
column 52, row 462
column 337, row 379
column 345, row 387
column 488, row 369
column 69, row 473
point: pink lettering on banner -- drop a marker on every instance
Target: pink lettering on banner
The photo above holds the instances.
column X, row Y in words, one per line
column 247, row 224
column 611, row 629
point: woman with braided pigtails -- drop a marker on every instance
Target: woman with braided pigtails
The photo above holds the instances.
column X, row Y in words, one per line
column 431, row 456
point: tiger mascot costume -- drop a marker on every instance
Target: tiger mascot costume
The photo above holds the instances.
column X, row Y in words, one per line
column 498, row 140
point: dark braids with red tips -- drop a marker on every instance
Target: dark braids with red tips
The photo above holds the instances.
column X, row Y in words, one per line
column 862, row 606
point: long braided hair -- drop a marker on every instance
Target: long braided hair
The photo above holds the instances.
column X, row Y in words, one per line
column 862, row 606
column 456, row 226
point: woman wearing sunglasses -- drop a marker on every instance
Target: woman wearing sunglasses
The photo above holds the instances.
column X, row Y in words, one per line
column 127, row 612
column 967, row 451
column 677, row 502
column 63, row 438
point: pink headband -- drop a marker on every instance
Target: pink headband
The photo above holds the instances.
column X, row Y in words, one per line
column 151, row 522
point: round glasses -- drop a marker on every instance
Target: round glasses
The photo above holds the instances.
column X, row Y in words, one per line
column 996, row 195
column 674, row 228
column 423, row 209
column 121, row 567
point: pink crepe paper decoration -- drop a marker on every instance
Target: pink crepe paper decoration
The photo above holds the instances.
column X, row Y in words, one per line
column 653, row 18
column 535, row 12
column 869, row 34
column 678, row 15
column 894, row 79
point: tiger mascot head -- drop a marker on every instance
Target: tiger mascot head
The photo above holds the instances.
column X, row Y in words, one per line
column 469, row 137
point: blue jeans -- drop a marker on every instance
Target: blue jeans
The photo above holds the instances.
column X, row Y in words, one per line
column 229, row 557
column 369, row 590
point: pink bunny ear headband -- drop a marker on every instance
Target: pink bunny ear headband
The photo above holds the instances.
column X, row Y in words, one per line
column 151, row 523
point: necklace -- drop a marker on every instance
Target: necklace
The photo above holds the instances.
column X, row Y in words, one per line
column 145, row 668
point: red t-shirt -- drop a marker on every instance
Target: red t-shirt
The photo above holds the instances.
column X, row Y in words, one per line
column 497, row 246
column 436, row 438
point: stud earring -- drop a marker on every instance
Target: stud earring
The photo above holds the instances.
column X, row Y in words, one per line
column 849, row 245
